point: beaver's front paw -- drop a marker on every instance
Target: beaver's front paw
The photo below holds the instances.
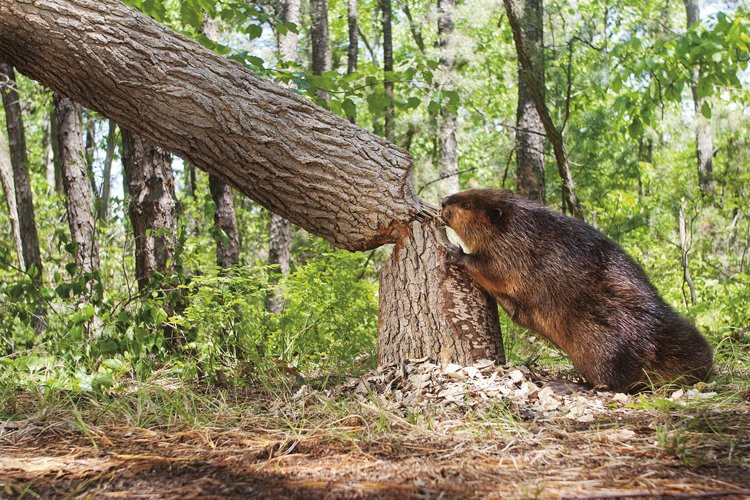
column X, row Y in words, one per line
column 455, row 255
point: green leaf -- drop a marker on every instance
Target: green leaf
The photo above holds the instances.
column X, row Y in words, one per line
column 349, row 108
column 706, row 109
column 191, row 15
column 254, row 31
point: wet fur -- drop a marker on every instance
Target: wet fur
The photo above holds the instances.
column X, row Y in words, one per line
column 563, row 279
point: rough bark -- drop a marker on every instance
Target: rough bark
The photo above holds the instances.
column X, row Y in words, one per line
column 9, row 188
column 225, row 217
column 390, row 109
column 447, row 153
column 152, row 206
column 321, row 47
column 530, row 130
column 20, row 164
column 514, row 9
column 330, row 177
column 79, row 199
column 409, row 317
column 104, row 207
column 704, row 142
column 363, row 191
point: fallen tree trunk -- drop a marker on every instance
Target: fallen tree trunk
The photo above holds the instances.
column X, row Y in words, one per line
column 324, row 174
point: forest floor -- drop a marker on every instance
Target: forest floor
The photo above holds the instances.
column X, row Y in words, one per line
column 427, row 432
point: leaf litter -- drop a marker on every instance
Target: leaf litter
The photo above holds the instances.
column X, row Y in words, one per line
column 413, row 431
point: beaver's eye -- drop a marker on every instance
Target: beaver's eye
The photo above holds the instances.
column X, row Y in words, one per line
column 465, row 205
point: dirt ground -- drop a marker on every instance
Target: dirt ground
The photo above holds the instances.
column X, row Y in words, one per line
column 544, row 460
column 428, row 432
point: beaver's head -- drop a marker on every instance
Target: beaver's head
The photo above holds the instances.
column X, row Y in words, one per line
column 476, row 215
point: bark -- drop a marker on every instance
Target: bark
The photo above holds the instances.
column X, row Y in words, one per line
column 530, row 130
column 323, row 173
column 225, row 217
column 514, row 9
column 321, row 47
column 447, row 153
column 410, row 318
column 56, row 152
column 20, row 164
column 704, row 147
column 9, row 188
column 152, row 206
column 104, row 207
column 390, row 110
column 353, row 49
column 79, row 199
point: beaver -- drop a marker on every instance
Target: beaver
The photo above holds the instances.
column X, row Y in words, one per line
column 562, row 278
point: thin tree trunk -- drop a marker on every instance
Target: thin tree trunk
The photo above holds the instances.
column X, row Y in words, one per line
column 49, row 155
column 225, row 217
column 704, row 147
column 104, row 207
column 20, row 164
column 530, row 130
column 321, row 47
column 90, row 147
column 323, row 173
column 78, row 197
column 447, row 154
column 514, row 9
column 56, row 152
column 9, row 188
column 152, row 206
column 353, row 49
column 684, row 261
column 390, row 109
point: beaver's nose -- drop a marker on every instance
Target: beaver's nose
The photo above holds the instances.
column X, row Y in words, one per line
column 445, row 200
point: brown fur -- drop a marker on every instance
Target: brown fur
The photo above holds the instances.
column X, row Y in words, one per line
column 563, row 279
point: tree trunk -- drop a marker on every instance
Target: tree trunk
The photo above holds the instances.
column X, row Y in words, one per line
column 90, row 149
column 390, row 111
column 9, row 188
column 455, row 322
column 56, row 152
column 104, row 207
column 78, row 197
column 704, row 147
column 447, row 154
column 49, row 156
column 323, row 173
column 321, row 47
column 152, row 207
column 225, row 217
column 20, row 164
column 530, row 131
column 353, row 49
column 514, row 9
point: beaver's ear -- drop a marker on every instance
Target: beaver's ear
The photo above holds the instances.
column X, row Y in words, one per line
column 496, row 215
